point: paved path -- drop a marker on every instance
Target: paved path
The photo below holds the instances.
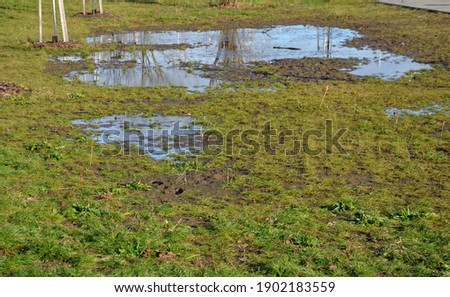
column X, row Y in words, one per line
column 436, row 5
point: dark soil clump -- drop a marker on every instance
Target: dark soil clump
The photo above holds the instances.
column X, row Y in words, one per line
column 9, row 89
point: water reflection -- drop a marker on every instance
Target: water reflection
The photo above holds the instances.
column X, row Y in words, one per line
column 327, row 41
column 140, row 68
column 159, row 137
column 232, row 48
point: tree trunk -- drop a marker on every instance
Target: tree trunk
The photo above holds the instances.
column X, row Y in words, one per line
column 55, row 33
column 40, row 21
column 62, row 15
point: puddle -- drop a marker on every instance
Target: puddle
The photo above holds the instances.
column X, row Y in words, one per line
column 159, row 137
column 67, row 58
column 228, row 48
column 429, row 110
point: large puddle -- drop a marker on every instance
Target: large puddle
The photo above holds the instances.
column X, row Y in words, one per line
column 159, row 137
column 170, row 65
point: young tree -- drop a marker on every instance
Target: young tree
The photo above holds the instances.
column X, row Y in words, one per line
column 96, row 3
column 40, row 20
column 62, row 16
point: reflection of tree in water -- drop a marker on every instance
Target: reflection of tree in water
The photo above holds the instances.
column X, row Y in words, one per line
column 147, row 71
column 327, row 41
column 141, row 68
column 231, row 47
column 153, row 71
column 114, row 67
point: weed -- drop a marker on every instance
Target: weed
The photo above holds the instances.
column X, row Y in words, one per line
column 303, row 240
column 186, row 166
column 85, row 209
column 409, row 215
column 341, row 206
column 368, row 219
column 136, row 185
column 21, row 101
column 76, row 95
column 46, row 150
column 437, row 156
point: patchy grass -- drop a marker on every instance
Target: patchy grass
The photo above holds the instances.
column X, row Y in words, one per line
column 70, row 208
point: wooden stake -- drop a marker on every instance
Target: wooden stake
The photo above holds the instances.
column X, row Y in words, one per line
column 84, row 7
column 55, row 34
column 94, row 6
column 40, row 21
column 100, row 5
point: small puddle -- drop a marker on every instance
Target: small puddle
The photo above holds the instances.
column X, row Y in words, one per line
column 170, row 65
column 159, row 137
column 429, row 110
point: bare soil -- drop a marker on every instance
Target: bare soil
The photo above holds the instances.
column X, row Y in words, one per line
column 61, row 68
column 305, row 69
column 88, row 15
column 9, row 89
column 184, row 187
column 49, row 44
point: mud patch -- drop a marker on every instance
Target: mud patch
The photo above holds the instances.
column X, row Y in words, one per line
column 9, row 89
column 194, row 185
column 49, row 44
column 61, row 68
column 90, row 15
column 306, row 69
column 315, row 69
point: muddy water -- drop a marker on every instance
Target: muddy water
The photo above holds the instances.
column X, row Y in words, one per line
column 159, row 137
column 228, row 48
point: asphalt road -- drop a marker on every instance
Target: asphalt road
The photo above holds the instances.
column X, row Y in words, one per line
column 436, row 5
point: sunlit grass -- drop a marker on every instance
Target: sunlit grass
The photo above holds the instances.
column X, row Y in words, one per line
column 70, row 209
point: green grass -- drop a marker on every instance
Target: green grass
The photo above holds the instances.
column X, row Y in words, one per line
column 68, row 208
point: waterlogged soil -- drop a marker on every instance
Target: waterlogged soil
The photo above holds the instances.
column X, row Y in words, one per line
column 159, row 137
column 428, row 110
column 90, row 15
column 372, row 29
column 203, row 56
column 306, row 69
column 49, row 44
column 170, row 188
column 60, row 67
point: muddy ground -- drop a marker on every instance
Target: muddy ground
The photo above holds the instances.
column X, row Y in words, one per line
column 64, row 45
column 305, row 69
column 96, row 15
column 9, row 89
